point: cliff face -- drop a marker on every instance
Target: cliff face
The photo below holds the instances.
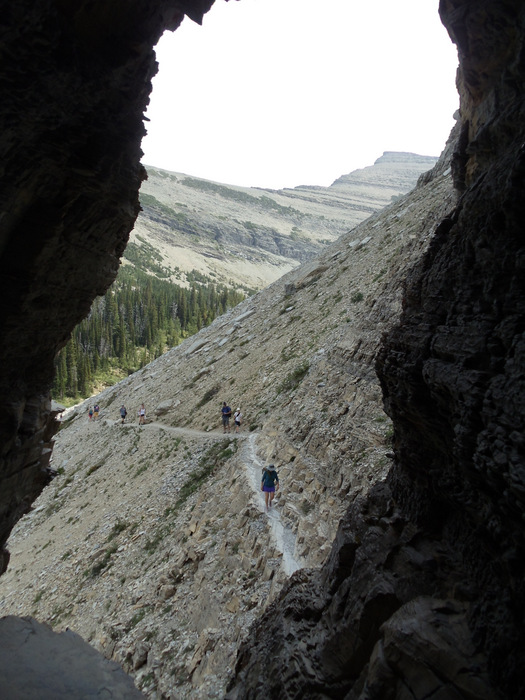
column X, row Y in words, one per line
column 253, row 235
column 75, row 83
column 422, row 593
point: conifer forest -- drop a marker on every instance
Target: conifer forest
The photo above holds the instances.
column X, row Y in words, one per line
column 138, row 319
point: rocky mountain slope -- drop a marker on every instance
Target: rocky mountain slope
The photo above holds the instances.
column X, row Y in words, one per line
column 422, row 593
column 152, row 542
column 247, row 237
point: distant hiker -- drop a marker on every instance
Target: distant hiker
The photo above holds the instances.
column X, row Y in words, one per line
column 96, row 410
column 226, row 413
column 269, row 484
column 237, row 419
column 142, row 415
column 90, row 413
column 123, row 413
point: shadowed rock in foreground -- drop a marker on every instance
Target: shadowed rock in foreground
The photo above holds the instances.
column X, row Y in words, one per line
column 423, row 595
column 37, row 664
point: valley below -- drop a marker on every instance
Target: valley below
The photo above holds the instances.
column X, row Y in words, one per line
column 152, row 542
column 249, row 237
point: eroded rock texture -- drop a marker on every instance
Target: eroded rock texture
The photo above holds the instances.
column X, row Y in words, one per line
column 422, row 596
column 424, row 593
column 38, row 664
column 75, row 81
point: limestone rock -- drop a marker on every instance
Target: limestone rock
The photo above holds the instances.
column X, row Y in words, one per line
column 36, row 663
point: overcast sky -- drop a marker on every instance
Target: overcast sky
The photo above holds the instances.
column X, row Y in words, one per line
column 279, row 93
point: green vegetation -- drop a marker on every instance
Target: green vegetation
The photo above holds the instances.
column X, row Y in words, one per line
column 294, row 378
column 137, row 320
column 117, row 528
column 229, row 193
column 356, row 297
column 138, row 616
column 306, row 507
column 148, row 201
column 269, row 203
column 221, row 190
column 208, row 396
column 212, row 459
column 94, row 468
column 146, row 258
column 103, row 563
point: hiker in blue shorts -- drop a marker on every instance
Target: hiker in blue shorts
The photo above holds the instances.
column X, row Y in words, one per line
column 269, row 484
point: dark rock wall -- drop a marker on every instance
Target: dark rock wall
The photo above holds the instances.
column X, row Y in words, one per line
column 453, row 372
column 424, row 593
column 74, row 83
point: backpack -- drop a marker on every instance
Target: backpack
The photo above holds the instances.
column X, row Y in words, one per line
column 269, row 476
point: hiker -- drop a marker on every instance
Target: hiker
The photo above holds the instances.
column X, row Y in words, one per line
column 90, row 413
column 269, row 484
column 237, row 419
column 96, row 410
column 123, row 413
column 226, row 413
column 142, row 415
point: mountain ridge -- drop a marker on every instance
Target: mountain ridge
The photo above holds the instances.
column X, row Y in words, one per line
column 248, row 237
column 152, row 542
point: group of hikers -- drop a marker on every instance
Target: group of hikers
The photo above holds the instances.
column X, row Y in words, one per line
column 93, row 413
column 269, row 479
column 226, row 414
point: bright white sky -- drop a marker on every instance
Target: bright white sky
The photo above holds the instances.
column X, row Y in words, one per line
column 280, row 93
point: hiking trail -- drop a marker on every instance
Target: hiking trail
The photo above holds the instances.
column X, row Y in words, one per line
column 283, row 535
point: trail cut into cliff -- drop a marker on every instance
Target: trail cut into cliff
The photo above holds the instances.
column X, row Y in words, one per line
column 152, row 542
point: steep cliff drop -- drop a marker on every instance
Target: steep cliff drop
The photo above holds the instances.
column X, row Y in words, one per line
column 423, row 595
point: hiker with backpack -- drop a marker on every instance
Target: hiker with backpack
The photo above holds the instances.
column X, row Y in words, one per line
column 123, row 413
column 142, row 414
column 225, row 413
column 269, row 484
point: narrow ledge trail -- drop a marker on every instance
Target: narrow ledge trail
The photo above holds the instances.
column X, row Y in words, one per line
column 283, row 536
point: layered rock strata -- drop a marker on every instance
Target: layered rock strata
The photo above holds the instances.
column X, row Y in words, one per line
column 423, row 593
column 164, row 571
column 76, row 78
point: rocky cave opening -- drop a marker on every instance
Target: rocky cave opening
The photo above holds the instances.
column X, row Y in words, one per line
column 76, row 79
